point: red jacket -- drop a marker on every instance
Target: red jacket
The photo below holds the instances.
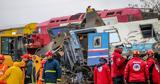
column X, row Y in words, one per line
column 117, row 64
column 150, row 61
column 156, row 73
column 136, row 71
column 154, row 69
column 102, row 75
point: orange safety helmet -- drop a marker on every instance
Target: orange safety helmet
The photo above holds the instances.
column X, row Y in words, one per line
column 2, row 57
column 150, row 52
column 49, row 53
column 27, row 56
column 136, row 52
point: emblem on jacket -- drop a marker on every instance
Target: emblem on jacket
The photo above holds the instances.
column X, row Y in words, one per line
column 136, row 67
column 100, row 69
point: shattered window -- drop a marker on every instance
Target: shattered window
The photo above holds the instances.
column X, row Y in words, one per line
column 147, row 31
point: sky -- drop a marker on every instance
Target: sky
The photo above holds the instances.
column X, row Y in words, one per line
column 21, row 12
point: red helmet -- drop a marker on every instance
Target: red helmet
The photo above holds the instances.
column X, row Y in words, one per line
column 2, row 57
column 150, row 52
column 27, row 56
column 136, row 52
column 49, row 53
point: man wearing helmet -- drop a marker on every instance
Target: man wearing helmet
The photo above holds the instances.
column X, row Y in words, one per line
column 3, row 67
column 52, row 70
column 136, row 71
column 153, row 67
column 156, row 79
column 118, row 63
column 102, row 72
column 27, row 68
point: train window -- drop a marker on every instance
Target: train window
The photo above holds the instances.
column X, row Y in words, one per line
column 75, row 17
column 97, row 41
column 113, row 35
column 147, row 31
column 5, row 46
column 57, row 21
column 119, row 12
column 131, row 18
column 52, row 21
column 63, row 20
column 110, row 13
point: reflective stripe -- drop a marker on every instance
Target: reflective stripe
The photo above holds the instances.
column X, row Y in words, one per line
column 52, row 71
column 58, row 79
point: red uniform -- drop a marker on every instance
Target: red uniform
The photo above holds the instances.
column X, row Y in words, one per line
column 150, row 62
column 118, row 64
column 136, row 71
column 156, row 74
column 102, row 75
column 154, row 70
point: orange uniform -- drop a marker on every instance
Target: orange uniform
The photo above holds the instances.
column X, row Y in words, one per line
column 39, row 81
column 40, row 77
column 3, row 69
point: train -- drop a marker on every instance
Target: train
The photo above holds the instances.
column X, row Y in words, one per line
column 123, row 15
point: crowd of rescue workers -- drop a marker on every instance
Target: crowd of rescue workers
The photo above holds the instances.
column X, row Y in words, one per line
column 121, row 70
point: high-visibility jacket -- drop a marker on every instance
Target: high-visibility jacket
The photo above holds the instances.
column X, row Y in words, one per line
column 118, row 64
column 3, row 69
column 102, row 75
column 52, row 71
column 13, row 75
column 22, row 66
column 39, row 81
column 136, row 70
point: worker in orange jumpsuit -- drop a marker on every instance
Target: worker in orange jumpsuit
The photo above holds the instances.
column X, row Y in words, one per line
column 118, row 63
column 136, row 71
column 3, row 67
column 102, row 73
column 13, row 75
column 40, row 80
column 150, row 63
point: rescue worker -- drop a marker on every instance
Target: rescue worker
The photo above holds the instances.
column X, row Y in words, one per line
column 136, row 71
column 102, row 73
column 154, row 67
column 40, row 80
column 156, row 79
column 13, row 74
column 89, row 9
column 150, row 63
column 52, row 70
column 27, row 68
column 3, row 67
column 118, row 63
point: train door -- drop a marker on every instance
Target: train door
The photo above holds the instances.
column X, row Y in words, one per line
column 98, row 46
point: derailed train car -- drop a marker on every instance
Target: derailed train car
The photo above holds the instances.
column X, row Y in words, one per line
column 81, row 46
